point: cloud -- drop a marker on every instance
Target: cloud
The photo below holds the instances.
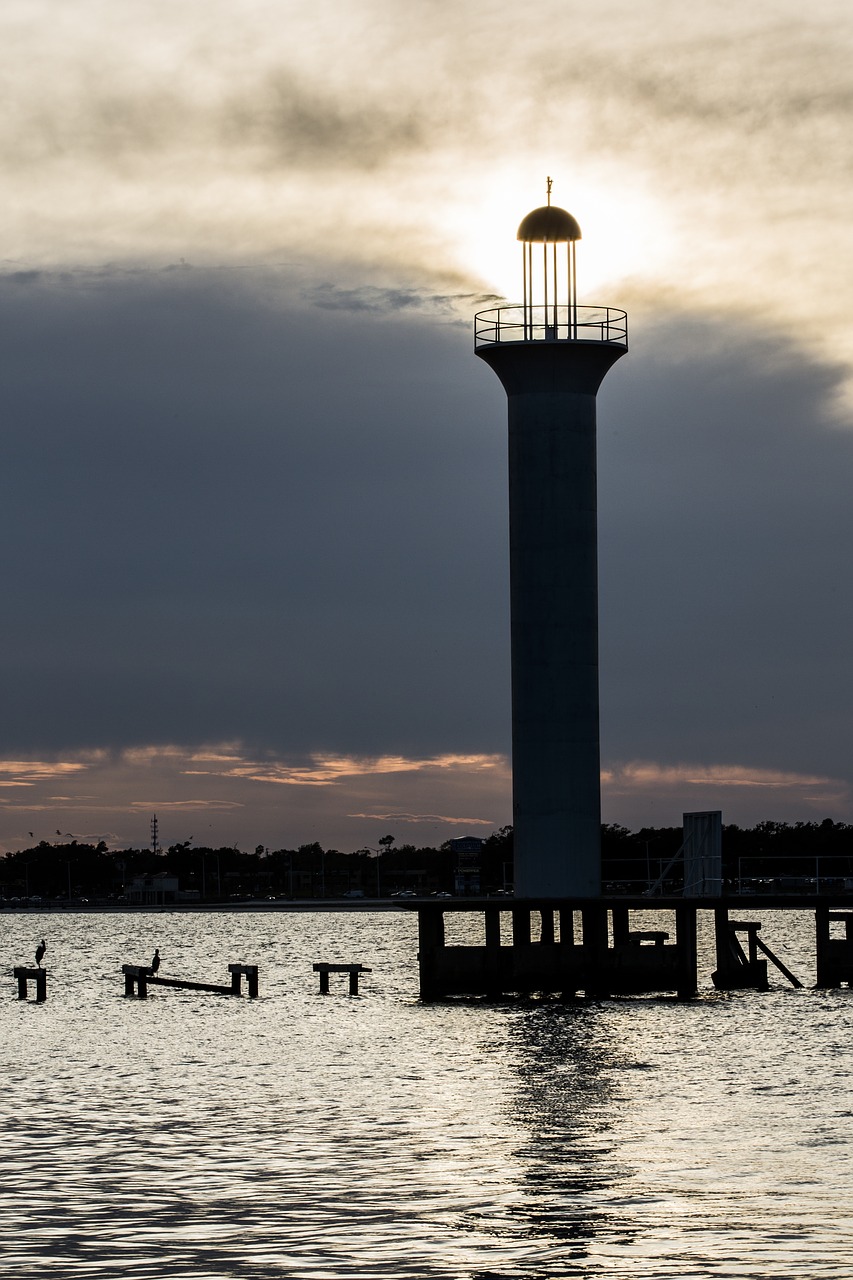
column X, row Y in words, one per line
column 424, row 817
column 326, row 771
column 239, row 518
column 648, row 793
column 229, row 804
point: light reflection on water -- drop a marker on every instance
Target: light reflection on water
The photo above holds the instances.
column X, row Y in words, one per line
column 194, row 1136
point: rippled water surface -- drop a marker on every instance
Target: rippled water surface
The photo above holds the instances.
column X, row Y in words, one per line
column 198, row 1136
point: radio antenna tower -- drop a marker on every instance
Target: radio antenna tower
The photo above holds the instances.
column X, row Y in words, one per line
column 155, row 839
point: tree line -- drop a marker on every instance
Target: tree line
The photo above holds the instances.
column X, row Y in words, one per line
column 71, row 870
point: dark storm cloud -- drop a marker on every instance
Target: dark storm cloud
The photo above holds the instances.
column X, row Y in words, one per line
column 283, row 116
column 298, row 122
column 726, row 522
column 284, row 525
column 223, row 519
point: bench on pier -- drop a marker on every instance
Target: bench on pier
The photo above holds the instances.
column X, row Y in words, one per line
column 138, row 978
column 38, row 976
column 352, row 969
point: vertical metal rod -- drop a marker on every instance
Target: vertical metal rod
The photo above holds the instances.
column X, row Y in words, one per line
column 574, row 274
column 554, row 264
column 524, row 307
column 545, row 282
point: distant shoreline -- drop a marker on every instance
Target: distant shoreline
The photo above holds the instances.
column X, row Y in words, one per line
column 195, row 908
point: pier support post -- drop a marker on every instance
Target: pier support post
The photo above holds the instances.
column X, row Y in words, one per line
column 493, row 928
column 430, row 942
column 685, row 940
column 352, row 969
column 251, row 972
column 521, row 926
column 492, row 922
column 546, row 931
column 621, row 932
column 594, row 925
column 39, row 977
column 834, row 956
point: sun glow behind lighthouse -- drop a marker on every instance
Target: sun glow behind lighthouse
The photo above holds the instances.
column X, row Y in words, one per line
column 623, row 237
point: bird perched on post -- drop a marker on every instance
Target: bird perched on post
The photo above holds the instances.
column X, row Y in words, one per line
column 40, row 950
column 155, row 963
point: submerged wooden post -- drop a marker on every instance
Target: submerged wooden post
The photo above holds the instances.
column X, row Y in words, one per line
column 492, row 921
column 594, row 925
column 685, row 940
column 237, row 971
column 521, row 926
column 822, row 961
column 39, row 976
column 430, row 943
column 135, row 976
column 352, row 969
column 621, row 929
column 834, row 955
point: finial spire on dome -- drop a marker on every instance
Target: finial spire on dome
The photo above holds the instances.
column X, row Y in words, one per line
column 550, row 185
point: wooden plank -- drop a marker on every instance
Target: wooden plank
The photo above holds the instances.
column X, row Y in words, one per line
column 188, row 986
column 795, row 982
column 341, row 968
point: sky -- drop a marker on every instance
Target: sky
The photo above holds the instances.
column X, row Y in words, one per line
column 254, row 516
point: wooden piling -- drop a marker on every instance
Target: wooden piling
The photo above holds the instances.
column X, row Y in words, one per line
column 430, row 945
column 237, row 972
column 546, row 929
column 594, row 980
column 520, row 926
column 352, row 969
column 24, row 976
column 834, row 955
column 138, row 977
column 685, row 943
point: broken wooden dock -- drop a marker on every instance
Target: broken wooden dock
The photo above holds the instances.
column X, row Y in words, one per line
column 138, row 978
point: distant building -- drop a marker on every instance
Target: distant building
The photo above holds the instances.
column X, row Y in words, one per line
column 152, row 891
column 467, row 851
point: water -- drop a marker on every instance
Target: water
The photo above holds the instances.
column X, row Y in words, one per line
column 202, row 1137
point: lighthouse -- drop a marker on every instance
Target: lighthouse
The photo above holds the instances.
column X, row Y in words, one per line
column 551, row 356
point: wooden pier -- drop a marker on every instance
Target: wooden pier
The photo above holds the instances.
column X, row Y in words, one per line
column 605, row 956
column 138, row 978
column 536, row 960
